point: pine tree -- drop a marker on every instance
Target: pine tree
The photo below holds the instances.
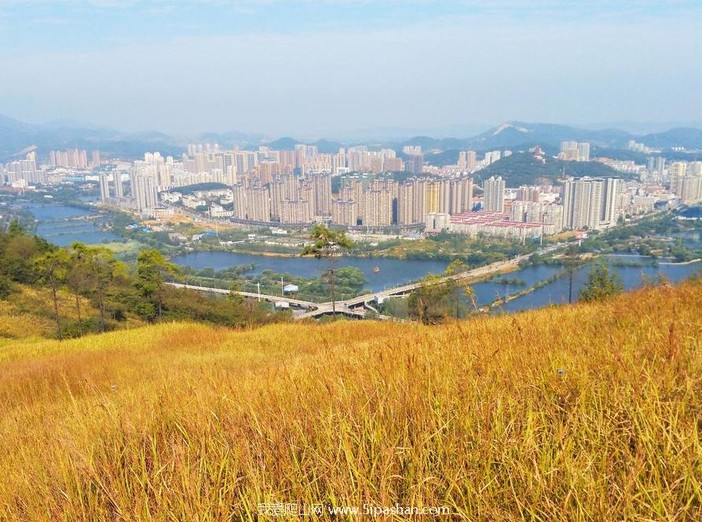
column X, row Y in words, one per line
column 152, row 269
column 328, row 244
column 601, row 284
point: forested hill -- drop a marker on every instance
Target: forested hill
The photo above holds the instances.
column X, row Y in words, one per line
column 47, row 290
column 522, row 168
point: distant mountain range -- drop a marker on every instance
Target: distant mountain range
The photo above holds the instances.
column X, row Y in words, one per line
column 17, row 136
column 522, row 135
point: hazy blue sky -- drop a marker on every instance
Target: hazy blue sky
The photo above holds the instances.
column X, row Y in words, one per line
column 327, row 67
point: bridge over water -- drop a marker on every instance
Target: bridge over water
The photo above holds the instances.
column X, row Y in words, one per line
column 356, row 307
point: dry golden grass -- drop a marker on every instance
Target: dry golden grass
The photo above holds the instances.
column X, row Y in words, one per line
column 14, row 325
column 28, row 312
column 589, row 412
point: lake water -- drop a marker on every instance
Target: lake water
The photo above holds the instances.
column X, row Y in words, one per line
column 691, row 212
column 632, row 277
column 488, row 291
column 63, row 225
column 691, row 238
column 395, row 272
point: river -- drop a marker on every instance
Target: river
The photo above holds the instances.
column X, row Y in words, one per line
column 63, row 225
column 395, row 272
column 632, row 277
column 391, row 272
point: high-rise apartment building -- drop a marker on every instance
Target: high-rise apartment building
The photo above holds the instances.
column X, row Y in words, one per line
column 24, row 172
column 414, row 164
column 144, row 190
column 583, row 152
column 676, row 173
column 252, row 202
column 405, row 205
column 569, row 151
column 574, row 151
column 258, row 204
column 461, row 195
column 393, row 165
column 71, row 159
column 494, row 197
column 117, row 180
column 491, row 157
column 104, row 187
column 590, row 203
column 95, row 160
column 691, row 189
column 377, row 208
column 610, row 202
column 344, row 212
column 295, row 211
column 434, row 198
column 322, row 194
column 239, row 197
column 419, row 197
column 467, row 160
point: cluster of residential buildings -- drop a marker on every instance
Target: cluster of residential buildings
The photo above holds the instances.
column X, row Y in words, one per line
column 521, row 213
column 635, row 146
column 295, row 187
column 204, row 163
column 27, row 172
column 574, row 151
column 375, row 203
column 74, row 159
column 23, row 172
column 685, row 180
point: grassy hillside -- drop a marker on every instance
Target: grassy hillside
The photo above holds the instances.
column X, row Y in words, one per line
column 584, row 412
column 28, row 312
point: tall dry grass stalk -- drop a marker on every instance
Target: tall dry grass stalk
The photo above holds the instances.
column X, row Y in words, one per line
column 589, row 412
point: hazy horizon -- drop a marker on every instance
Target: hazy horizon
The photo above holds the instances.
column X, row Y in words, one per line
column 381, row 133
column 336, row 68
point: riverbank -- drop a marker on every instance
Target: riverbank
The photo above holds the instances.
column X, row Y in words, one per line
column 681, row 263
column 584, row 268
column 192, row 250
column 498, row 303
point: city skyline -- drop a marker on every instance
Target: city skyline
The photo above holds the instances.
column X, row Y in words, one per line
column 294, row 67
column 294, row 187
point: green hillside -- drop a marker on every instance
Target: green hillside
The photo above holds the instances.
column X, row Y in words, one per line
column 522, row 168
column 86, row 289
